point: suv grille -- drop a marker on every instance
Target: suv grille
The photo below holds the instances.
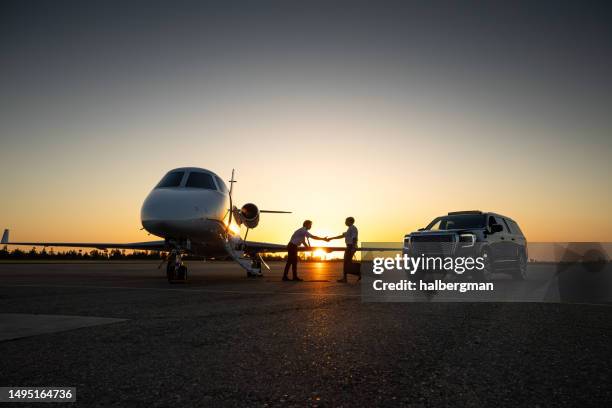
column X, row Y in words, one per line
column 433, row 245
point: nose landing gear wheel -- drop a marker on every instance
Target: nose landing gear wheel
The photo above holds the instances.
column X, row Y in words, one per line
column 255, row 265
column 176, row 272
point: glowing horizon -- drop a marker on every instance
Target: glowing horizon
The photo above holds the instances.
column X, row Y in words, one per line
column 114, row 221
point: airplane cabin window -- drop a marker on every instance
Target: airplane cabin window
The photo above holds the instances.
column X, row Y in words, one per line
column 172, row 179
column 200, row 180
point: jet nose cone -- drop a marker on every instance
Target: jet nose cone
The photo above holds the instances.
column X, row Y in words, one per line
column 162, row 205
column 159, row 212
column 166, row 209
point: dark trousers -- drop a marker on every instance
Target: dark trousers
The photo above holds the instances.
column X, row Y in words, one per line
column 292, row 259
column 348, row 259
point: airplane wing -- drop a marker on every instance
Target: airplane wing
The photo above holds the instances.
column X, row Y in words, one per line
column 148, row 246
column 268, row 247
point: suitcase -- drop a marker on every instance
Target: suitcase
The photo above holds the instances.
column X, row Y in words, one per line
column 354, row 269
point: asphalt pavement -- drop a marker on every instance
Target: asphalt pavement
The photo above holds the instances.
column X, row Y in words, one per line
column 226, row 340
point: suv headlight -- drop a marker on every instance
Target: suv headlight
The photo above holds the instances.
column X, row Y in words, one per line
column 467, row 240
column 407, row 241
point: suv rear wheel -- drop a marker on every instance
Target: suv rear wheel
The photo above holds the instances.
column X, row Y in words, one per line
column 520, row 273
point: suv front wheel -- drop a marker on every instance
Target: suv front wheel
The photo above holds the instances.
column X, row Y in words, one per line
column 485, row 274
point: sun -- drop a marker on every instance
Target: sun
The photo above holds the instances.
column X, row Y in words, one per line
column 319, row 253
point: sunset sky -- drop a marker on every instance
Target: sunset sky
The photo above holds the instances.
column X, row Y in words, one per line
column 391, row 112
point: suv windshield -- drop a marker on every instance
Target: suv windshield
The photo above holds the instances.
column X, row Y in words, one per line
column 448, row 222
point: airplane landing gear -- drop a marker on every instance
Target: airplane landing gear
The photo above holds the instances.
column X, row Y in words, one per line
column 255, row 271
column 176, row 271
column 251, row 262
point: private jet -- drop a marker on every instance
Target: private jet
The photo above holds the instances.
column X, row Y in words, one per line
column 193, row 211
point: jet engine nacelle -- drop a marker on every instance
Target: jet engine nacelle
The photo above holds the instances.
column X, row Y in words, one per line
column 248, row 215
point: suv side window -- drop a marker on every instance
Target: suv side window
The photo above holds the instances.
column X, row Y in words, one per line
column 491, row 221
column 498, row 220
column 515, row 227
column 510, row 230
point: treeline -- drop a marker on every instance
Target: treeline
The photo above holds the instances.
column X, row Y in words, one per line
column 93, row 255
column 116, row 254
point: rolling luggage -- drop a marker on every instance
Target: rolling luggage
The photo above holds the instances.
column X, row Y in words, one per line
column 354, row 269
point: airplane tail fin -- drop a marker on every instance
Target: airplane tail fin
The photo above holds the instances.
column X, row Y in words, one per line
column 5, row 237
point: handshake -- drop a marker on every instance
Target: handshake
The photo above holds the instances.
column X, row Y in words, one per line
column 326, row 238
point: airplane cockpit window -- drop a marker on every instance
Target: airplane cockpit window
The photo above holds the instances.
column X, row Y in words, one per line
column 200, row 180
column 172, row 179
column 221, row 185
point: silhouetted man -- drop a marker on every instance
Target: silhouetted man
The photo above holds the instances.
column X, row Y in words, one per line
column 350, row 238
column 299, row 237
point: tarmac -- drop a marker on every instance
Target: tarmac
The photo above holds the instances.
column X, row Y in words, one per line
column 123, row 336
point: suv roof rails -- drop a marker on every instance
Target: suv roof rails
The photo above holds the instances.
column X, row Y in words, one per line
column 465, row 212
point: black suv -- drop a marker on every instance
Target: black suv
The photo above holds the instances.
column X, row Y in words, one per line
column 496, row 238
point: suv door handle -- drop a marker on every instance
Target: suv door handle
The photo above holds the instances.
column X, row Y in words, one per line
column 512, row 239
column 503, row 238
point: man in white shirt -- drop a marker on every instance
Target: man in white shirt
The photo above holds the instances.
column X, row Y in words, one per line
column 350, row 238
column 299, row 237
